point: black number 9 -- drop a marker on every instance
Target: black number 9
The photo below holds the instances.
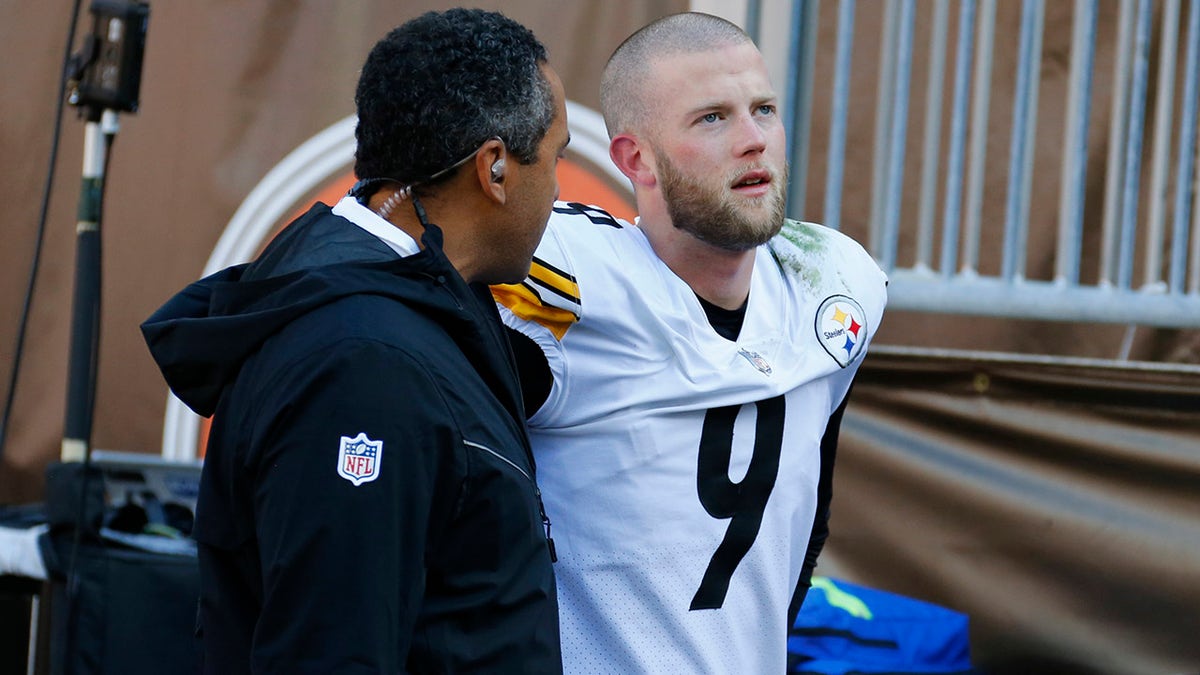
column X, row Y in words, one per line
column 743, row 503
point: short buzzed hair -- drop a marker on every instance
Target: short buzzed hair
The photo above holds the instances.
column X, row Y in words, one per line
column 629, row 66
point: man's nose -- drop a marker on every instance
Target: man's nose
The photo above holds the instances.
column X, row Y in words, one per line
column 752, row 138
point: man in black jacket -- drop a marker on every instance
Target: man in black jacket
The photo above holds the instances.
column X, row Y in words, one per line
column 368, row 502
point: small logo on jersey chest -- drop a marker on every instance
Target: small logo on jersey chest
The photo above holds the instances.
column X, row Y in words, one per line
column 756, row 360
column 841, row 327
column 359, row 459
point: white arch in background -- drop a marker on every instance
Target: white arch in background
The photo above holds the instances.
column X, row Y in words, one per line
column 315, row 161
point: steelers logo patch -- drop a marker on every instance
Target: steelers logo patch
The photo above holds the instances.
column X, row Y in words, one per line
column 842, row 328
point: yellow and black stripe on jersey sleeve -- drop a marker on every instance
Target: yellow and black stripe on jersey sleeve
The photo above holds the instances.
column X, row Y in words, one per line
column 548, row 296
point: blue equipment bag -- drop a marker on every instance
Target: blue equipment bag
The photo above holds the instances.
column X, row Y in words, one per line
column 843, row 628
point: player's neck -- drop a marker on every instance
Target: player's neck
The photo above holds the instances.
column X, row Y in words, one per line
column 719, row 276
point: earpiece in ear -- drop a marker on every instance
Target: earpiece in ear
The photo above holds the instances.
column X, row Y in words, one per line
column 498, row 170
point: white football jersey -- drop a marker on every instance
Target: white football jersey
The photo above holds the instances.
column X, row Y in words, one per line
column 680, row 468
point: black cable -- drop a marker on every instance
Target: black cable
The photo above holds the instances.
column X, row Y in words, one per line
column 35, row 263
column 41, row 230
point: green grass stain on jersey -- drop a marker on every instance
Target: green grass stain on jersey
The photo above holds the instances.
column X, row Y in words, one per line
column 804, row 260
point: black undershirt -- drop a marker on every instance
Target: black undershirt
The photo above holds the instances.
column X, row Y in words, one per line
column 536, row 378
column 727, row 322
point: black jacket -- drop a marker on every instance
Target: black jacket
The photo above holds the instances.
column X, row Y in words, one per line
column 318, row 553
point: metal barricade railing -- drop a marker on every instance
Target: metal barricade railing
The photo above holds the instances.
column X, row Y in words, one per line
column 935, row 265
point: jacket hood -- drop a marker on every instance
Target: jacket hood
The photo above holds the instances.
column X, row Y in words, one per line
column 201, row 336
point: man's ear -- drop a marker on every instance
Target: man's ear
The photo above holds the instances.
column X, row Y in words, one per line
column 491, row 170
column 630, row 156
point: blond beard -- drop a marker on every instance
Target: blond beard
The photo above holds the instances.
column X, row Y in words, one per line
column 713, row 217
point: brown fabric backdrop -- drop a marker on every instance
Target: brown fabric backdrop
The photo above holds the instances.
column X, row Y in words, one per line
column 1057, row 506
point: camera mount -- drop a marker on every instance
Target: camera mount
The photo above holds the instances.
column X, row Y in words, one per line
column 104, row 79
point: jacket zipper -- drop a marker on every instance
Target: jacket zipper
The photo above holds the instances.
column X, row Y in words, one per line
column 536, row 491
column 440, row 281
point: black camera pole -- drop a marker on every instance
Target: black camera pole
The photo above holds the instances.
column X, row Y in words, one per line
column 85, row 316
column 106, row 78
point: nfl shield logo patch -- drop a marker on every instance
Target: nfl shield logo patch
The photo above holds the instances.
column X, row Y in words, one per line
column 359, row 458
column 756, row 360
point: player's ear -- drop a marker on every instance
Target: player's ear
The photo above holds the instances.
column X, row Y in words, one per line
column 635, row 161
